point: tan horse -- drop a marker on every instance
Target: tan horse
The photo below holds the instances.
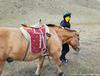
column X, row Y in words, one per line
column 13, row 46
column 67, row 36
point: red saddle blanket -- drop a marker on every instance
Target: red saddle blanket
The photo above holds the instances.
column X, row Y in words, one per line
column 38, row 38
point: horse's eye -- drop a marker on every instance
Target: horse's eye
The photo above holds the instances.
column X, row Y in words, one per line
column 78, row 38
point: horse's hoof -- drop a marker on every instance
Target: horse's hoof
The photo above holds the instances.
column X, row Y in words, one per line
column 37, row 75
column 61, row 74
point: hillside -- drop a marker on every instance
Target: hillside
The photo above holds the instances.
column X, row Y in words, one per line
column 85, row 18
column 30, row 11
column 95, row 4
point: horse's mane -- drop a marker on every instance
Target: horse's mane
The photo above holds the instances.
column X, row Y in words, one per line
column 53, row 25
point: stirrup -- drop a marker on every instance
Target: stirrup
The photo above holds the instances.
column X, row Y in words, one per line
column 45, row 52
column 48, row 34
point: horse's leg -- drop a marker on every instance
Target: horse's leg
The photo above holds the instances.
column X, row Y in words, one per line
column 39, row 66
column 56, row 57
column 1, row 66
column 60, row 71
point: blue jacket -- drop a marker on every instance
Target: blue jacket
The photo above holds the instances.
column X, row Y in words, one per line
column 64, row 24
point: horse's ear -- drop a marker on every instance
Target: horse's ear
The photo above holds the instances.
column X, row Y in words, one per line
column 79, row 31
column 24, row 25
column 40, row 21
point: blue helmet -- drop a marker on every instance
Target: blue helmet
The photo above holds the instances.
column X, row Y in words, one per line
column 67, row 14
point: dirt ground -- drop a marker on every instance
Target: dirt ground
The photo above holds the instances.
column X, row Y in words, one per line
column 85, row 18
column 86, row 63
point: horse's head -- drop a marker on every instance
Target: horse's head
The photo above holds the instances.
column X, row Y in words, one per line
column 67, row 36
column 74, row 41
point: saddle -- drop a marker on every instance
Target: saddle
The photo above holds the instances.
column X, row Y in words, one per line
column 37, row 38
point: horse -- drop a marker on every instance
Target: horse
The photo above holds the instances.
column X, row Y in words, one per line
column 13, row 45
column 67, row 36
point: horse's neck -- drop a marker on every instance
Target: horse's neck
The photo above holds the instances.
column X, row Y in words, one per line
column 64, row 35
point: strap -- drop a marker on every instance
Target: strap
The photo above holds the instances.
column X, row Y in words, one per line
column 27, row 37
column 26, row 50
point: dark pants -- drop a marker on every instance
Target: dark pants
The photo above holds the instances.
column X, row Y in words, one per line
column 65, row 50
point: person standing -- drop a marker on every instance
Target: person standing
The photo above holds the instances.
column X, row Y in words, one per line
column 65, row 23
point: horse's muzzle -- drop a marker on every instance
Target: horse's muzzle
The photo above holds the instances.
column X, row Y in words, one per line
column 77, row 49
